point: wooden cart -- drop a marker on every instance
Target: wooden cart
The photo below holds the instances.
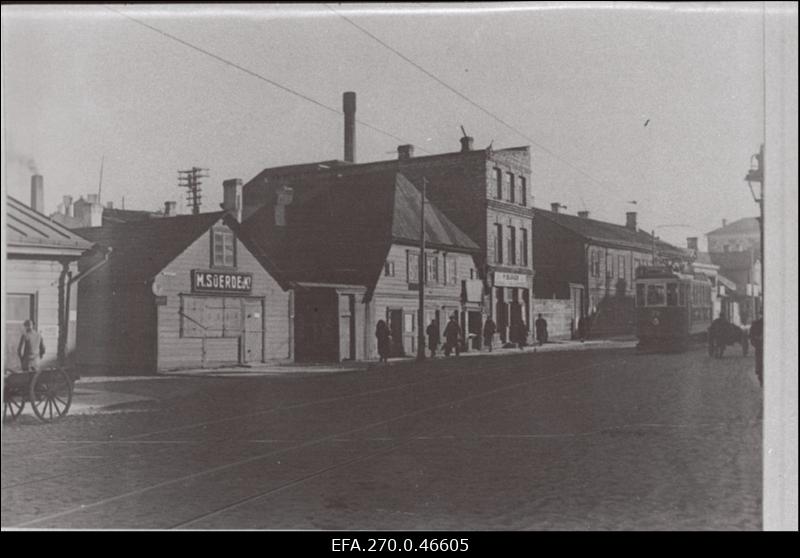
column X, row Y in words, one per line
column 48, row 391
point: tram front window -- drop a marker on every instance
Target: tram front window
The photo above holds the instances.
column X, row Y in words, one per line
column 655, row 295
column 672, row 294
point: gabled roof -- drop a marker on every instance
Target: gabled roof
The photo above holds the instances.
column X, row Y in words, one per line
column 748, row 225
column 733, row 261
column 28, row 230
column 339, row 230
column 141, row 249
column 608, row 233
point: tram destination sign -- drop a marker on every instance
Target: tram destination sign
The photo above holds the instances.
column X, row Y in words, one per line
column 221, row 281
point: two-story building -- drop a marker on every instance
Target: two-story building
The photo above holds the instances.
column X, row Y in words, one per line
column 594, row 263
column 348, row 246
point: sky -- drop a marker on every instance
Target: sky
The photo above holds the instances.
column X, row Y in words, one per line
column 658, row 104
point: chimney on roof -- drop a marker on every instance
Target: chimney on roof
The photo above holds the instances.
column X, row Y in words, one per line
column 232, row 197
column 67, row 205
column 92, row 198
column 95, row 215
column 170, row 208
column 110, row 205
column 630, row 220
column 284, row 197
column 349, row 106
column 37, row 193
column 691, row 243
column 405, row 152
column 466, row 144
column 583, row 214
column 555, row 206
column 724, row 222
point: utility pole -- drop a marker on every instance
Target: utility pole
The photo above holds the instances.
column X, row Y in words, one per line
column 190, row 179
column 422, row 276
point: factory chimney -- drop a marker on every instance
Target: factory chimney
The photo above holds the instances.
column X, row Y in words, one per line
column 555, row 206
column 37, row 193
column 349, row 106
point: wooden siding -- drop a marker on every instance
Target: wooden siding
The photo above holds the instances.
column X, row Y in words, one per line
column 40, row 279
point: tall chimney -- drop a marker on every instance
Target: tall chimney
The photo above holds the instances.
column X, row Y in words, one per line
column 555, row 206
column 37, row 193
column 691, row 243
column 349, row 106
column 583, row 214
column 170, row 208
column 630, row 220
column 232, row 197
column 405, row 152
column 466, row 143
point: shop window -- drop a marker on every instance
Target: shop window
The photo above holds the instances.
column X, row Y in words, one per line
column 223, row 248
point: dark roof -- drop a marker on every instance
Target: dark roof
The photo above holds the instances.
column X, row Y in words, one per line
column 27, row 229
column 732, row 261
column 112, row 215
column 607, row 233
column 142, row 249
column 339, row 230
column 748, row 225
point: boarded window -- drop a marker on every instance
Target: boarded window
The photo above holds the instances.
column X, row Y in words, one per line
column 211, row 317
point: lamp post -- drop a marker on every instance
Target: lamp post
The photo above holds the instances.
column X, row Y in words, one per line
column 756, row 174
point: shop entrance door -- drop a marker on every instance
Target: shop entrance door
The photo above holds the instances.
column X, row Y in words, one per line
column 396, row 330
column 253, row 331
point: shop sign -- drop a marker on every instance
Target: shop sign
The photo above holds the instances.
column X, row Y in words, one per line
column 474, row 290
column 221, row 282
column 503, row 279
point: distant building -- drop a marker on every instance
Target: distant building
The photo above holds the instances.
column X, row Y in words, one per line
column 88, row 212
column 594, row 263
column 725, row 298
column 41, row 263
column 739, row 236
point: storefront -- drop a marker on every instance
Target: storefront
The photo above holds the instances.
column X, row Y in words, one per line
column 510, row 302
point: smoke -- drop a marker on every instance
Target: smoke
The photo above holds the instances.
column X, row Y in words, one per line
column 26, row 162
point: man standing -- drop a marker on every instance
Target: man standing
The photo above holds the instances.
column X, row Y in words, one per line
column 541, row 330
column 452, row 336
column 31, row 348
column 489, row 330
column 757, row 340
column 433, row 337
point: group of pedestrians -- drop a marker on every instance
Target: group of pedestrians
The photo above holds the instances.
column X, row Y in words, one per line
column 453, row 336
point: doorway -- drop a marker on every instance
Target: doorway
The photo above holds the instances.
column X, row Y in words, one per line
column 395, row 318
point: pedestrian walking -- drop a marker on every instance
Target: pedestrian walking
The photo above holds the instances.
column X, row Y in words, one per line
column 489, row 329
column 716, row 336
column 757, row 340
column 384, row 340
column 541, row 330
column 452, row 336
column 432, row 332
column 583, row 328
column 31, row 348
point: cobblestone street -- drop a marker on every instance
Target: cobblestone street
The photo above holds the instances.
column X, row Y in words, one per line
column 597, row 440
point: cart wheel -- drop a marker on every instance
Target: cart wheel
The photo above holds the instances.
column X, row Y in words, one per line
column 13, row 403
column 51, row 394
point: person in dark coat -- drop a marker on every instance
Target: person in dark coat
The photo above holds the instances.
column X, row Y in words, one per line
column 452, row 336
column 489, row 329
column 31, row 348
column 757, row 340
column 521, row 333
column 583, row 328
column 384, row 340
column 432, row 331
column 541, row 330
column 716, row 336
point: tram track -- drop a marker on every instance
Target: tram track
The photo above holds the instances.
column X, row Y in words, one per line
column 332, row 437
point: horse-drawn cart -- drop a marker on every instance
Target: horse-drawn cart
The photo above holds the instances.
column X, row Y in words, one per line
column 48, row 391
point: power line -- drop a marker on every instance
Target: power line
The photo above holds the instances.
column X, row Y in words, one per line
column 255, row 74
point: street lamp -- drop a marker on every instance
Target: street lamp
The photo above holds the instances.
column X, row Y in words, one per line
column 756, row 174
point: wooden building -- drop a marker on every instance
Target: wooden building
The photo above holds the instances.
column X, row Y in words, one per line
column 41, row 262
column 348, row 245
column 178, row 292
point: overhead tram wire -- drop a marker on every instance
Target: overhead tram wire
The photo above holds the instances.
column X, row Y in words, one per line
column 257, row 75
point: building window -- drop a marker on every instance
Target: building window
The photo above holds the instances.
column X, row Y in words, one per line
column 412, row 265
column 498, row 243
column 388, row 269
column 432, row 269
column 523, row 191
column 498, row 183
column 512, row 246
column 223, row 248
column 595, row 263
column 523, row 250
column 621, row 267
column 511, row 187
column 450, row 271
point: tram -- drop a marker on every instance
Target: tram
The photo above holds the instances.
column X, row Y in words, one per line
column 672, row 308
